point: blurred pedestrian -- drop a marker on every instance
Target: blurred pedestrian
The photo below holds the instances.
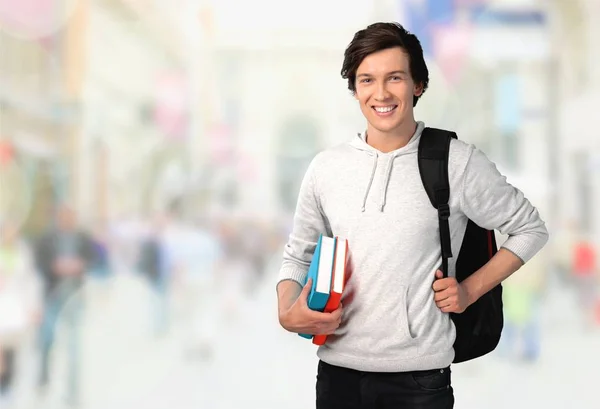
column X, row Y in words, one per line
column 19, row 304
column 154, row 265
column 64, row 255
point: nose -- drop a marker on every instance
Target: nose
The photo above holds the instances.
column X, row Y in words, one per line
column 382, row 93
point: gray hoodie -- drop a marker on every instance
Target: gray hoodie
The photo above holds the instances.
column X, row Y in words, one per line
column 377, row 201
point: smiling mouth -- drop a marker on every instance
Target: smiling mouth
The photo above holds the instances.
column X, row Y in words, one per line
column 385, row 110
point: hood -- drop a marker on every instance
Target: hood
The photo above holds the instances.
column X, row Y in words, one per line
column 359, row 143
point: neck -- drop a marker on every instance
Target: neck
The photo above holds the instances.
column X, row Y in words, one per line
column 392, row 140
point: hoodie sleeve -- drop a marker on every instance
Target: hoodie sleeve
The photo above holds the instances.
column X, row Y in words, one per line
column 309, row 222
column 492, row 203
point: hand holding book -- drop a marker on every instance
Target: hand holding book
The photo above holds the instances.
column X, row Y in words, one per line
column 299, row 318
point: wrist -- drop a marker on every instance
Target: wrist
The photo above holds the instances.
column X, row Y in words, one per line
column 471, row 290
column 283, row 316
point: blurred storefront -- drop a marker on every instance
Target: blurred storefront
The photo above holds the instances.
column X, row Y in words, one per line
column 578, row 150
column 135, row 114
column 37, row 117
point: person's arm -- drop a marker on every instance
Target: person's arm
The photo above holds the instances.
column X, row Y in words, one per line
column 309, row 222
column 492, row 203
column 288, row 291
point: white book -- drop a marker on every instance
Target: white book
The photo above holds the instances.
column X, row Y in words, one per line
column 340, row 266
column 325, row 265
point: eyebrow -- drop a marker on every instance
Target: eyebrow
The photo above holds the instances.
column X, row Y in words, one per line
column 389, row 73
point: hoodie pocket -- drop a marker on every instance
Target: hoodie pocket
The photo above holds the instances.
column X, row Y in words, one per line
column 388, row 330
column 403, row 305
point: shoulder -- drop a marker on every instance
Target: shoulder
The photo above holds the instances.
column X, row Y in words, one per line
column 460, row 153
column 465, row 156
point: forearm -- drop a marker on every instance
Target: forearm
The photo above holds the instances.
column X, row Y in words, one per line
column 287, row 293
column 499, row 268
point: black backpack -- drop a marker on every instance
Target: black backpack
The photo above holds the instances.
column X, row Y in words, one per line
column 479, row 327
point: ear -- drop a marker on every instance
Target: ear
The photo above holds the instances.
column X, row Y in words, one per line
column 418, row 90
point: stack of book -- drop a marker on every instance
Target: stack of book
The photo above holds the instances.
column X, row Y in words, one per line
column 328, row 272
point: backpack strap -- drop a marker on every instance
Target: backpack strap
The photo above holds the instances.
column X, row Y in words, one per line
column 434, row 148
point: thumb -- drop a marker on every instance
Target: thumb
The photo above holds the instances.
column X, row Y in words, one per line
column 305, row 291
column 439, row 274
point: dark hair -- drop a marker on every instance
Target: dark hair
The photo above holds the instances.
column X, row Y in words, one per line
column 381, row 36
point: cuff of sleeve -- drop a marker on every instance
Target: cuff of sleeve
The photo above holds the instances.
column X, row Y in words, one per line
column 525, row 247
column 293, row 273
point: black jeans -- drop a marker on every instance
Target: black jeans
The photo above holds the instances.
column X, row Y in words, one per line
column 342, row 388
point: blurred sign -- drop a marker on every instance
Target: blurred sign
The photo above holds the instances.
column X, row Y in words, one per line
column 433, row 22
column 451, row 46
column 521, row 25
column 507, row 17
column 35, row 18
column 507, row 103
column 423, row 17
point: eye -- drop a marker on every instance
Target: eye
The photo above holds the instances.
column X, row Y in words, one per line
column 395, row 78
column 365, row 80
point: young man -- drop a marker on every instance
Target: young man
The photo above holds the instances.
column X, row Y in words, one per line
column 392, row 342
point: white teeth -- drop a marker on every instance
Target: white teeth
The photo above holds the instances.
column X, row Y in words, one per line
column 384, row 109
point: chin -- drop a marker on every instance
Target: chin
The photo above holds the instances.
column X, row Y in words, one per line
column 385, row 127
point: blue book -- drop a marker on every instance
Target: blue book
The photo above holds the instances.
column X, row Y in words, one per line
column 321, row 271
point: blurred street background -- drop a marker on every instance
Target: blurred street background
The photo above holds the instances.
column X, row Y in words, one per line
column 151, row 153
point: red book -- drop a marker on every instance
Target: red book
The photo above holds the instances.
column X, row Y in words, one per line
column 338, row 281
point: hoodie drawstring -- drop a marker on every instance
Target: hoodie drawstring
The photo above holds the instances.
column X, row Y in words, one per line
column 375, row 155
column 360, row 143
column 386, row 183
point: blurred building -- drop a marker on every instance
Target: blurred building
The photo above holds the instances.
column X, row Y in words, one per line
column 39, row 111
column 577, row 81
column 134, row 124
column 93, row 109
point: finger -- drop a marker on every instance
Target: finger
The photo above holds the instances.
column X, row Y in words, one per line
column 444, row 303
column 441, row 295
column 451, row 291
column 332, row 327
column 444, row 283
column 335, row 315
column 439, row 274
column 441, row 284
column 328, row 320
column 322, row 318
column 449, row 308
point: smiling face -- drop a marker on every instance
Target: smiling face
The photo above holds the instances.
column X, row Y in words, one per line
column 385, row 91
